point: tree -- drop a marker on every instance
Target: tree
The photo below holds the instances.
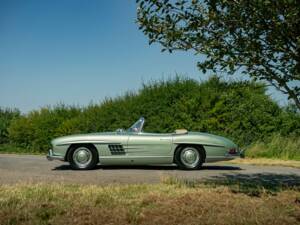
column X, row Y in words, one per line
column 260, row 38
column 7, row 115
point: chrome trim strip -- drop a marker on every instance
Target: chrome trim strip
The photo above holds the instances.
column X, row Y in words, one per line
column 197, row 143
column 136, row 151
column 127, row 156
column 89, row 142
column 165, row 139
column 221, row 146
column 131, row 148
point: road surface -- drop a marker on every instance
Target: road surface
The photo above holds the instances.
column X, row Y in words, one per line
column 36, row 169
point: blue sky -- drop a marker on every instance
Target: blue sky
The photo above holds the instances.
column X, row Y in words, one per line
column 77, row 52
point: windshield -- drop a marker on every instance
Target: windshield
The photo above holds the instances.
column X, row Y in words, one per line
column 137, row 126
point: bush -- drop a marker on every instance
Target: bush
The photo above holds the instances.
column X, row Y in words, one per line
column 36, row 129
column 276, row 147
column 238, row 110
column 6, row 116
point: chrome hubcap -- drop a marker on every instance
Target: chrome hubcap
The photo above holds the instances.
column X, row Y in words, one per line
column 190, row 157
column 82, row 157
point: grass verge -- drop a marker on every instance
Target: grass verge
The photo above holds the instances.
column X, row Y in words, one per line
column 276, row 147
column 174, row 201
column 13, row 149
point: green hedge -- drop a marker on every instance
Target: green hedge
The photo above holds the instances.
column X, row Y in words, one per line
column 277, row 147
column 239, row 110
column 6, row 116
column 37, row 128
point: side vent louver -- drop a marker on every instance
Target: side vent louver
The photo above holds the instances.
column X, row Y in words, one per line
column 116, row 149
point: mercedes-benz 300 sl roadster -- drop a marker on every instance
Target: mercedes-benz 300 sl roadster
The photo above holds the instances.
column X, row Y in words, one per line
column 188, row 150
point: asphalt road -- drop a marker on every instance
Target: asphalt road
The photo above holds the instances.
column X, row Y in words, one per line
column 36, row 169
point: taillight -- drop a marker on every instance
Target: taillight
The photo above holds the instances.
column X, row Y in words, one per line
column 232, row 151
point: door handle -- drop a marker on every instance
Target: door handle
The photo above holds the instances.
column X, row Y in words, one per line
column 165, row 139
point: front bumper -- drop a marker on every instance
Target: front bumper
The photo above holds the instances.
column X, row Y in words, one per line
column 51, row 156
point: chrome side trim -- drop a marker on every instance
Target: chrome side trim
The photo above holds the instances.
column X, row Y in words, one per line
column 221, row 146
column 127, row 156
column 165, row 139
column 141, row 151
column 131, row 147
column 197, row 143
column 89, row 142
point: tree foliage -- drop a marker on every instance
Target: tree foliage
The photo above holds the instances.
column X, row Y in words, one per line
column 36, row 129
column 260, row 38
column 6, row 116
column 238, row 110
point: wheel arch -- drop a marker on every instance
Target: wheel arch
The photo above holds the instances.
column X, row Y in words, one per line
column 200, row 148
column 72, row 146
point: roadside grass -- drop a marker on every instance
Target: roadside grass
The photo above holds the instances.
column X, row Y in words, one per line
column 13, row 149
column 277, row 151
column 254, row 185
column 173, row 201
column 276, row 147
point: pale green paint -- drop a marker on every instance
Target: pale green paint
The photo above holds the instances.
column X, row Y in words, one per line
column 144, row 148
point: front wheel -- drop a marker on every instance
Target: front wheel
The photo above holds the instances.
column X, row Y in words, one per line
column 83, row 157
column 189, row 158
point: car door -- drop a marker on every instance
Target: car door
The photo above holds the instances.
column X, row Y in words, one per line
column 113, row 149
column 149, row 148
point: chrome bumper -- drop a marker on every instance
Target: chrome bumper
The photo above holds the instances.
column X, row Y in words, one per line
column 239, row 154
column 50, row 156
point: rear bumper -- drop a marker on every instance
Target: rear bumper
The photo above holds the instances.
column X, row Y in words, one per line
column 50, row 156
column 239, row 154
column 226, row 157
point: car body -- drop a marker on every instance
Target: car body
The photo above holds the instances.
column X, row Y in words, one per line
column 134, row 147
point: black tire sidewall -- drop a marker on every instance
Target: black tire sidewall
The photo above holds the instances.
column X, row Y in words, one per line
column 93, row 162
column 178, row 159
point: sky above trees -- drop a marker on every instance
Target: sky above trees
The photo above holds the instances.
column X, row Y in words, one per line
column 77, row 52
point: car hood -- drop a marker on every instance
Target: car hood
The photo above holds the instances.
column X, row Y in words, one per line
column 82, row 137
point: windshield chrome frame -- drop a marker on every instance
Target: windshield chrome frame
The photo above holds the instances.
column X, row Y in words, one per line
column 140, row 128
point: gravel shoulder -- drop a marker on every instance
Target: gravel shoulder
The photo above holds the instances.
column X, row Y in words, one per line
column 35, row 169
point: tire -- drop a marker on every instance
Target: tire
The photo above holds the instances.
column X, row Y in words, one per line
column 189, row 157
column 83, row 157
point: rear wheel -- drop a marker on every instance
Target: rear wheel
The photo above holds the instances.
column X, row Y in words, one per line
column 83, row 157
column 189, row 158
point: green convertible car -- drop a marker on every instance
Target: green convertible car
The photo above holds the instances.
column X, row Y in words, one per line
column 188, row 150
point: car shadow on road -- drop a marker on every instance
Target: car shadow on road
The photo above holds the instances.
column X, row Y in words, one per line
column 256, row 184
column 100, row 167
column 151, row 167
column 220, row 167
